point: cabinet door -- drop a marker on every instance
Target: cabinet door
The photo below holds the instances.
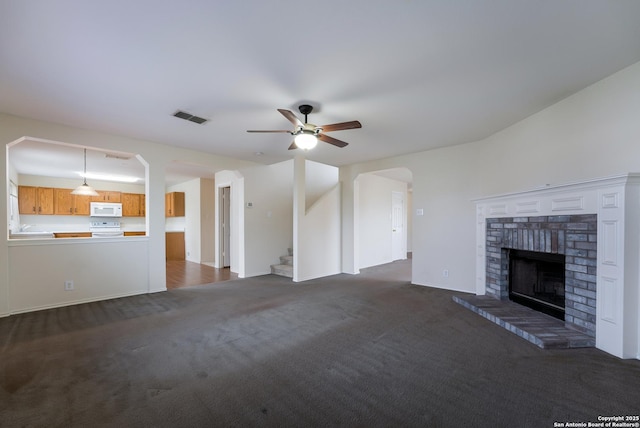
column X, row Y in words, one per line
column 168, row 205
column 63, row 202
column 174, row 204
column 130, row 205
column 143, row 205
column 45, row 200
column 27, row 200
column 178, row 204
column 82, row 205
column 107, row 196
column 72, row 234
column 113, row 196
column 102, row 196
column 174, row 244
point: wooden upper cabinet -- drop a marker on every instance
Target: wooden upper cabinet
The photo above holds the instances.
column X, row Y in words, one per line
column 174, row 204
column 82, row 205
column 35, row 200
column 64, row 202
column 45, row 200
column 133, row 205
column 107, row 196
column 67, row 203
column 56, row 201
column 143, row 205
column 27, row 200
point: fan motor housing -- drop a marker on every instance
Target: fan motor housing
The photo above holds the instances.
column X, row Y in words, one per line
column 305, row 109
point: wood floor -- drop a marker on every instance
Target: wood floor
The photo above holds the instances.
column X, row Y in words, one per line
column 181, row 273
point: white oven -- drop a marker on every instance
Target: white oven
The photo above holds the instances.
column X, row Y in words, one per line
column 106, row 229
column 106, row 209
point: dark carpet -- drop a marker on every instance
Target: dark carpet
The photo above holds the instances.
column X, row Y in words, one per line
column 366, row 350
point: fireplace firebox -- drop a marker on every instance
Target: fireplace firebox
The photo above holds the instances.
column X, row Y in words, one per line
column 537, row 280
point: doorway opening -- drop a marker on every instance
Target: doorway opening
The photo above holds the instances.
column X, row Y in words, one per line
column 225, row 226
column 382, row 220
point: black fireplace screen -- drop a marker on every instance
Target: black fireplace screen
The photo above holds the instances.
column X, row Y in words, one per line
column 537, row 280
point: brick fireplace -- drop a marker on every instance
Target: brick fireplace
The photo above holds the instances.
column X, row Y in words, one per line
column 574, row 236
column 595, row 224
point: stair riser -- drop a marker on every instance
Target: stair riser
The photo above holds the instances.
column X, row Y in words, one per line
column 282, row 270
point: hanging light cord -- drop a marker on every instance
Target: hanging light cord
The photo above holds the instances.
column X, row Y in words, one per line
column 85, row 167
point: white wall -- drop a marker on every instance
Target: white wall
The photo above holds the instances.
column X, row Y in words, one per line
column 317, row 230
column 269, row 221
column 374, row 219
column 409, row 221
column 207, row 220
column 594, row 133
column 318, row 180
column 41, row 272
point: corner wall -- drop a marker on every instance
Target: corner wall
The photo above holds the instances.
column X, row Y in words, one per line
column 316, row 229
column 268, row 215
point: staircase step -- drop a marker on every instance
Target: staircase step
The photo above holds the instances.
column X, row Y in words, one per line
column 286, row 260
column 282, row 270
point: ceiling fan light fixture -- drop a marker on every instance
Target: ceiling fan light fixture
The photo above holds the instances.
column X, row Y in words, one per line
column 306, row 140
column 84, row 189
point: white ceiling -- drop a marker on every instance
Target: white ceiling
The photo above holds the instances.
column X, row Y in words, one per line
column 417, row 74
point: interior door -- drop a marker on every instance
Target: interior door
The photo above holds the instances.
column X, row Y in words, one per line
column 226, row 226
column 398, row 244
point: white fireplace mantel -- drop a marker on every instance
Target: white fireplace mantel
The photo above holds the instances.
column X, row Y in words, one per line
column 616, row 201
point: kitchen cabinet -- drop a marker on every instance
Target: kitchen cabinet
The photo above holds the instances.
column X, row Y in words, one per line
column 82, row 205
column 35, row 200
column 107, row 196
column 133, row 205
column 66, row 203
column 72, row 234
column 137, row 233
column 174, row 244
column 174, row 204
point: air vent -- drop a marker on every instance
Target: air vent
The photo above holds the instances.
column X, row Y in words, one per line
column 188, row 116
column 115, row 156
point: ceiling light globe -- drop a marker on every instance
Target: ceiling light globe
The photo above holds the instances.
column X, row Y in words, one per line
column 306, row 141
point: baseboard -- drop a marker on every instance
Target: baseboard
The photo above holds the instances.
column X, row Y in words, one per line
column 77, row 302
column 445, row 288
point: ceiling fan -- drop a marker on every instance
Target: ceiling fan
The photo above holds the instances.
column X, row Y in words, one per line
column 307, row 134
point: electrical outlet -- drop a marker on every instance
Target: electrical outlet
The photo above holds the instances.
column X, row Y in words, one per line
column 68, row 285
column 445, row 273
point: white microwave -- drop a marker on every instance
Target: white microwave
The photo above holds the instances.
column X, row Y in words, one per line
column 106, row 209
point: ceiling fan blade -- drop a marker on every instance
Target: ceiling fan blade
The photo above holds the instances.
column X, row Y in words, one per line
column 332, row 140
column 340, row 126
column 253, row 130
column 291, row 117
column 293, row 146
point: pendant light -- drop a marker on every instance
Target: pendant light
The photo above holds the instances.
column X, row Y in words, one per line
column 84, row 189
